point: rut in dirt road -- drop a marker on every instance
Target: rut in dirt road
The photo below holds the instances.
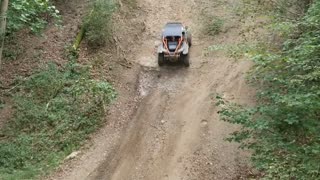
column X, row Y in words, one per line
column 176, row 132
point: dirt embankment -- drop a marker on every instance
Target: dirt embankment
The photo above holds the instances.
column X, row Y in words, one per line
column 170, row 128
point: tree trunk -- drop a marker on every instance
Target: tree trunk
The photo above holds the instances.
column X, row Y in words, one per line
column 3, row 22
column 78, row 39
column 80, row 35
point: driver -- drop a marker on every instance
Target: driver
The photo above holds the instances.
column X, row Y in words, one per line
column 183, row 35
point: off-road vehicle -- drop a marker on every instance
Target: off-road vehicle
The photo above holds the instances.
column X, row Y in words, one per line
column 175, row 44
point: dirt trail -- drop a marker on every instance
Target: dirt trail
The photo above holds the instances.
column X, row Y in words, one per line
column 175, row 133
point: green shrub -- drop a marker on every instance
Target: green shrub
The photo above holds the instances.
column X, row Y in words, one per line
column 55, row 110
column 283, row 129
column 98, row 24
column 30, row 14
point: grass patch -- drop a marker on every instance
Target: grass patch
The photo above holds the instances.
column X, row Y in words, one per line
column 215, row 26
column 130, row 3
column 238, row 51
column 55, row 110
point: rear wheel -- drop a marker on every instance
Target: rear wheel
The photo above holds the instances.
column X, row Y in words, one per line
column 160, row 59
column 189, row 40
column 185, row 60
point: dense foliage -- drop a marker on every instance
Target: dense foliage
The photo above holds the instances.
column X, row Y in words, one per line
column 55, row 110
column 33, row 14
column 283, row 129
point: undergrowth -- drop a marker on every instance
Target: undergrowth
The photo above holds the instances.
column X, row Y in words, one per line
column 55, row 110
column 98, row 24
column 34, row 15
column 282, row 130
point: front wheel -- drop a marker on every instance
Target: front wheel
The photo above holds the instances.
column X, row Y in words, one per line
column 185, row 60
column 160, row 59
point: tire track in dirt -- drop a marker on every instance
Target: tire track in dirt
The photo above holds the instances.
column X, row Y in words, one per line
column 176, row 133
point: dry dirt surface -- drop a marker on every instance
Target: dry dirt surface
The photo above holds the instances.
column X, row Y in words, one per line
column 173, row 129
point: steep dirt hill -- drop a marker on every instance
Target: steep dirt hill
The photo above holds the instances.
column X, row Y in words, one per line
column 170, row 128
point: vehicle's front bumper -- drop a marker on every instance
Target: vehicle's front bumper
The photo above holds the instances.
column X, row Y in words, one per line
column 172, row 56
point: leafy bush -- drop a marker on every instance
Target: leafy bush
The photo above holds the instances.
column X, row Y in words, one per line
column 283, row 129
column 98, row 24
column 32, row 14
column 55, row 111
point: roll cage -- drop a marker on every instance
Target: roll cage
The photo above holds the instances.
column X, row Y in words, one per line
column 173, row 36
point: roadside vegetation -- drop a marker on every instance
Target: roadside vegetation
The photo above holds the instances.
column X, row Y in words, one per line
column 33, row 15
column 282, row 130
column 98, row 24
column 57, row 107
column 55, row 110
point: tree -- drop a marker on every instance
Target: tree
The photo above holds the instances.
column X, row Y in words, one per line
column 3, row 22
